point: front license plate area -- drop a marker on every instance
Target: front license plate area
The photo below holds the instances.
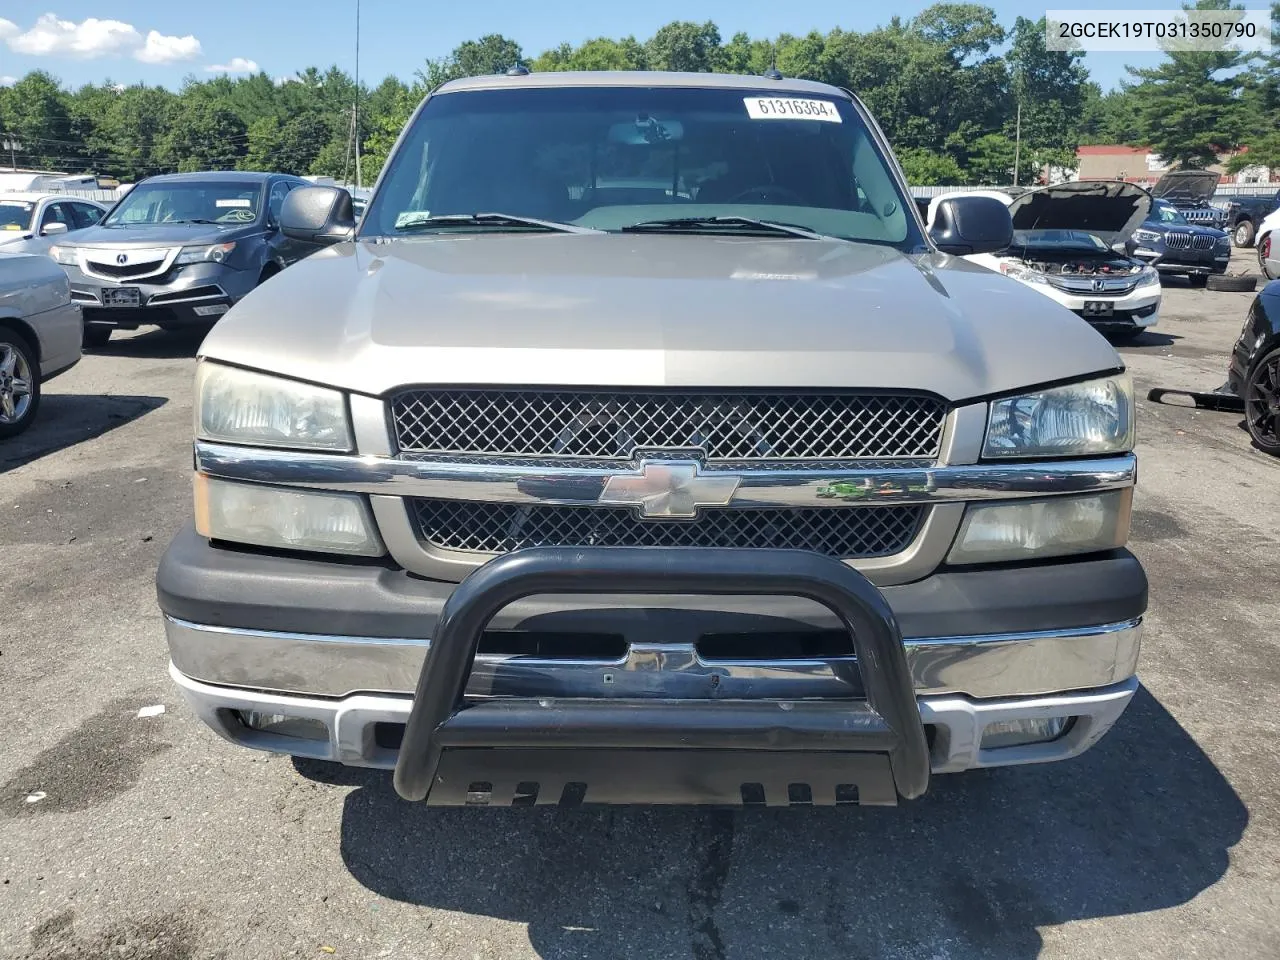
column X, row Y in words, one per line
column 1098, row 308
column 121, row 297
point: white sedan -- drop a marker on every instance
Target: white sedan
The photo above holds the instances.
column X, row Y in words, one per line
column 1269, row 246
column 1069, row 242
column 27, row 219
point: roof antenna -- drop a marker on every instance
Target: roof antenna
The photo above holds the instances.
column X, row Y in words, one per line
column 772, row 73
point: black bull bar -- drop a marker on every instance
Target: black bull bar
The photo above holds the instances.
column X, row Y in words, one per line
column 610, row 750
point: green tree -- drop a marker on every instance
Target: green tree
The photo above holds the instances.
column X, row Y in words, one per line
column 490, row 54
column 685, row 46
column 203, row 135
column 36, row 112
column 1110, row 117
column 927, row 168
column 132, row 130
column 1189, row 106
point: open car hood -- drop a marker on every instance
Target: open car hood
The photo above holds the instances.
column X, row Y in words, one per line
column 1186, row 186
column 1108, row 209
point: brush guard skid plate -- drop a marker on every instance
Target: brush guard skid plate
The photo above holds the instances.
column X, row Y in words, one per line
column 607, row 750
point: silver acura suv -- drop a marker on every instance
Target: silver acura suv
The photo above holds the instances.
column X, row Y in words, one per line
column 639, row 445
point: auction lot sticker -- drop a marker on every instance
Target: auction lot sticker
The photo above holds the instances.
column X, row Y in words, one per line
column 791, row 108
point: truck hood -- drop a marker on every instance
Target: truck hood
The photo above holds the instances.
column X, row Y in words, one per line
column 1107, row 209
column 645, row 310
column 1191, row 187
column 157, row 235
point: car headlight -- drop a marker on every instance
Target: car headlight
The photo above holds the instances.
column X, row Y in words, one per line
column 1224, row 241
column 1053, row 527
column 239, row 406
column 1025, row 274
column 266, row 516
column 66, row 255
column 205, row 253
column 1146, row 236
column 1080, row 419
column 1148, row 275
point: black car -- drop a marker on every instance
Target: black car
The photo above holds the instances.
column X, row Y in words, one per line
column 1254, row 371
column 1246, row 213
column 179, row 250
column 1191, row 191
column 1172, row 245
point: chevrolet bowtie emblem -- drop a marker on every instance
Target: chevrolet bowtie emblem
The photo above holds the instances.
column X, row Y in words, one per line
column 670, row 489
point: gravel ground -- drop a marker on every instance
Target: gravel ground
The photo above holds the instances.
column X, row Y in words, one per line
column 153, row 840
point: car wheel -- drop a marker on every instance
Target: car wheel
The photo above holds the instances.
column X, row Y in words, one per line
column 1223, row 282
column 96, row 334
column 1264, row 252
column 1244, row 233
column 1197, row 279
column 1262, row 403
column 19, row 384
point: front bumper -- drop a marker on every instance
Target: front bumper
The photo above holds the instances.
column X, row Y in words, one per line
column 1138, row 309
column 1186, row 262
column 183, row 296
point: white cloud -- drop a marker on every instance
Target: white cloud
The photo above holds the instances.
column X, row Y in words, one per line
column 8, row 81
column 234, row 65
column 93, row 38
column 162, row 49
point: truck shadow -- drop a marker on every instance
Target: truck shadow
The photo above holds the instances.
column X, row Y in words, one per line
column 1144, row 821
column 65, row 419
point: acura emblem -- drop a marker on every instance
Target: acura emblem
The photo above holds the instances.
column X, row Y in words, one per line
column 666, row 489
column 122, row 258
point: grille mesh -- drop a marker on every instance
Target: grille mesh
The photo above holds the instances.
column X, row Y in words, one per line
column 835, row 531
column 1178, row 241
column 614, row 426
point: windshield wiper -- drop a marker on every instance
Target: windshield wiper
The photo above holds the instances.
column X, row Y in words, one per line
column 487, row 220
column 694, row 223
column 194, row 220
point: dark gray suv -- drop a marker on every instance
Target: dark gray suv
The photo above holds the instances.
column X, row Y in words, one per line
column 179, row 250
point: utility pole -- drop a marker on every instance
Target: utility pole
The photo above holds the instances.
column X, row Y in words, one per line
column 1017, row 143
column 355, row 109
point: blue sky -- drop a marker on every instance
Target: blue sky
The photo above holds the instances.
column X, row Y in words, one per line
column 159, row 41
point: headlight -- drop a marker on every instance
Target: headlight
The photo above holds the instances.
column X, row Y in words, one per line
column 1146, row 236
column 63, row 254
column 238, row 406
column 288, row 519
column 1148, row 275
column 1025, row 274
column 1224, row 241
column 1079, row 419
column 1055, row 527
column 210, row 253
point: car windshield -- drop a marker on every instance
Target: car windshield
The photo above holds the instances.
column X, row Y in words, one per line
column 1058, row 240
column 16, row 214
column 1168, row 213
column 214, row 201
column 612, row 157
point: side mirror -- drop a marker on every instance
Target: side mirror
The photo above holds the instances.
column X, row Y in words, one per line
column 52, row 229
column 965, row 225
column 318, row 215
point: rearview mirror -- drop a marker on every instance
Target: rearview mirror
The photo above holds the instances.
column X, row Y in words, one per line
column 318, row 215
column 51, row 229
column 963, row 225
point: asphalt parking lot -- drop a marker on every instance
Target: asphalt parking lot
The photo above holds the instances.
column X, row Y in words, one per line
column 148, row 838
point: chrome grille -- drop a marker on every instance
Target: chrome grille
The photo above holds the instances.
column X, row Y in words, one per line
column 847, row 532
column 609, row 425
column 127, row 271
column 1203, row 241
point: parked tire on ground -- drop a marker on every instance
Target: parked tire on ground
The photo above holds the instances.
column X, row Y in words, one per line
column 1197, row 280
column 1244, row 284
column 1244, row 233
column 19, row 384
column 1262, row 403
column 96, row 335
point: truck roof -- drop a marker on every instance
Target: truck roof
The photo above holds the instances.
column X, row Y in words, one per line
column 639, row 78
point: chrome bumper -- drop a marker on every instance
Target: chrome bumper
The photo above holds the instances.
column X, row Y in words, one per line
column 982, row 667
column 352, row 723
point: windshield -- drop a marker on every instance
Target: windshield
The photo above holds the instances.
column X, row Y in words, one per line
column 1058, row 240
column 213, row 201
column 1167, row 213
column 612, row 157
column 16, row 214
